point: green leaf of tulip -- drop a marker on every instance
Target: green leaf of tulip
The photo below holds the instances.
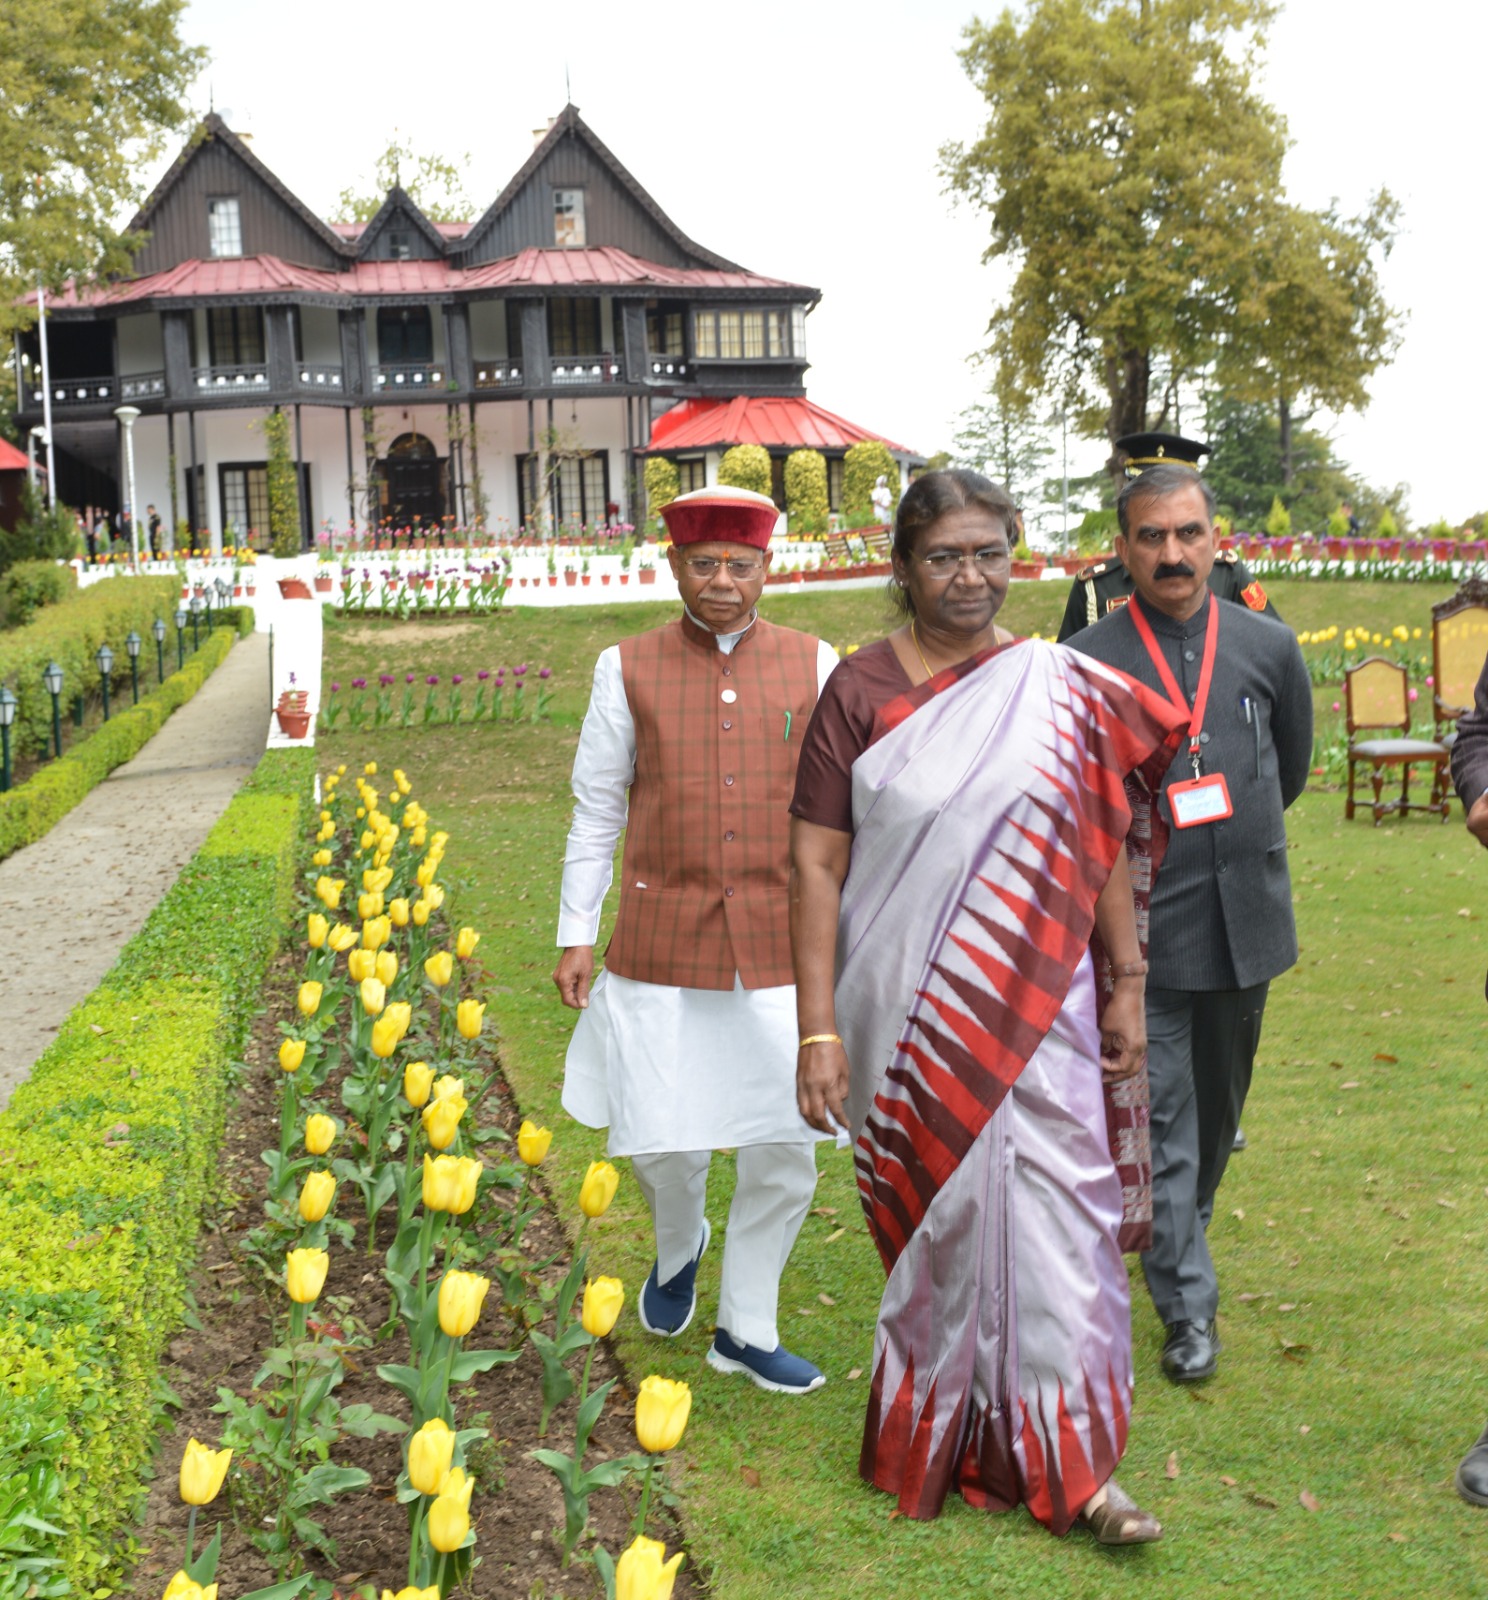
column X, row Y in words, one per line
column 469, row 1362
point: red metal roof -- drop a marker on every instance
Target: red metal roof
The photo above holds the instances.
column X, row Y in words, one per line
column 776, row 423
column 11, row 459
column 606, row 268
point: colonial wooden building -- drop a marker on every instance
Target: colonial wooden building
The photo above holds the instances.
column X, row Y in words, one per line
column 505, row 368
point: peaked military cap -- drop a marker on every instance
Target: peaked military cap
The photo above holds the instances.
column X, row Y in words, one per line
column 1143, row 450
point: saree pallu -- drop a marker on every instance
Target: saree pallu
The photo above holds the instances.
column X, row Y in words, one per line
column 987, row 815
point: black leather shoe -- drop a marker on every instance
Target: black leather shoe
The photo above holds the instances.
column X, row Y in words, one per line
column 1191, row 1354
column 1472, row 1475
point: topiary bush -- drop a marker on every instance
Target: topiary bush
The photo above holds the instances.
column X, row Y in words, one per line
column 863, row 465
column 662, row 483
column 1278, row 519
column 746, row 466
column 30, row 586
column 806, row 491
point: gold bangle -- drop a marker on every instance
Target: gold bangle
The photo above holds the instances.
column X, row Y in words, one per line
column 820, row 1038
column 1129, row 969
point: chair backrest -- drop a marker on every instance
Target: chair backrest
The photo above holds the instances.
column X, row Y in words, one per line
column 1375, row 696
column 836, row 548
column 879, row 541
column 1459, row 646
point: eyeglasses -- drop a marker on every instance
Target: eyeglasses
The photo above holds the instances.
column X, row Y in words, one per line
column 706, row 566
column 942, row 565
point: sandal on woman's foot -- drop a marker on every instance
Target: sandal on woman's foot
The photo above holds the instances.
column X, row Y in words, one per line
column 1118, row 1519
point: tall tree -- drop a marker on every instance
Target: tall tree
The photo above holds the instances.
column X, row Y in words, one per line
column 433, row 184
column 1126, row 167
column 1006, row 444
column 89, row 92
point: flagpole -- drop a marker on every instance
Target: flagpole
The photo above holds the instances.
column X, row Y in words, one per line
column 46, row 395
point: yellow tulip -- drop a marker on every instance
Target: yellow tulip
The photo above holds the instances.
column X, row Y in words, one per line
column 376, row 932
column 341, row 770
column 468, row 1017
column 328, row 892
column 321, row 858
column 361, row 965
column 308, row 999
column 434, row 895
column 465, row 943
column 449, row 1516
column 533, row 1142
column 440, row 968
column 325, row 816
column 600, row 1183
column 305, row 1274
column 320, row 1133
column 450, row 1183
column 642, row 1573
column 387, row 966
column 411, row 1591
column 400, row 1014
column 316, row 930
column 291, row 1054
column 316, row 1194
column 442, row 1120
column 376, row 879
column 370, row 769
column 425, row 874
column 603, row 1299
column 418, row 1079
column 368, row 838
column 430, row 1452
column 374, row 996
column 418, row 837
column 386, row 1037
column 369, row 905
column 341, row 938
column 202, row 1472
column 461, row 1295
column 420, row 913
column 401, row 779
column 398, row 913
column 661, row 1413
column 183, row 1588
column 447, row 1086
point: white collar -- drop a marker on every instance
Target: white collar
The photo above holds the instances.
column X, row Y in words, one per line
column 726, row 641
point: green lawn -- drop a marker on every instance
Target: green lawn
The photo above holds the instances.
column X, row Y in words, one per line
column 1350, row 1237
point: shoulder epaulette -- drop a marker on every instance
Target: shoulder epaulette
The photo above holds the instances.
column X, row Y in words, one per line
column 1229, row 557
column 1094, row 570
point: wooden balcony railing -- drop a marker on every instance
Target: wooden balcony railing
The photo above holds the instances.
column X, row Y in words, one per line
column 603, row 368
column 416, row 375
column 503, row 374
column 230, row 380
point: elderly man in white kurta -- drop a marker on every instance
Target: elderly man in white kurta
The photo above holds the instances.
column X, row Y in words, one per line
column 687, row 1041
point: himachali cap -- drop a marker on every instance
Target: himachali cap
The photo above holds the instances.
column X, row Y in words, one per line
column 1145, row 450
column 722, row 515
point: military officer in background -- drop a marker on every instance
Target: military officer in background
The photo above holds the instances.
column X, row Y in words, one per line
column 1106, row 586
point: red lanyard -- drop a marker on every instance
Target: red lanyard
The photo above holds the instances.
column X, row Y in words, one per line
column 1170, row 683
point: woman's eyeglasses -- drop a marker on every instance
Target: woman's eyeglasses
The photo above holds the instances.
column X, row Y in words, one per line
column 942, row 565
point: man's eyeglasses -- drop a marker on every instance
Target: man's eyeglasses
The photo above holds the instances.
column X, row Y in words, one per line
column 706, row 566
column 942, row 565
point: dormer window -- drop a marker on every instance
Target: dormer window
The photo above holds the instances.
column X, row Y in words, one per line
column 224, row 226
column 568, row 217
column 400, row 245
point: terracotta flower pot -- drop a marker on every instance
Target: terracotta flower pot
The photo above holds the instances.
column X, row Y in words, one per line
column 624, row 578
column 571, row 578
column 552, row 580
column 293, row 588
column 604, row 579
column 322, row 585
column 647, row 575
column 586, row 580
column 293, row 724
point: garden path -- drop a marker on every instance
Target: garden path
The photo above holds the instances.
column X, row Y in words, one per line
column 70, row 901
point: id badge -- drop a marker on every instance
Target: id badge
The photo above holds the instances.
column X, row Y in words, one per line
column 1200, row 800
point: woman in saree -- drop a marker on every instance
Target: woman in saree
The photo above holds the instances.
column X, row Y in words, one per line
column 963, row 811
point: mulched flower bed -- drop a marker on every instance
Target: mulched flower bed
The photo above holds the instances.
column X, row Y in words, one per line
column 517, row 1510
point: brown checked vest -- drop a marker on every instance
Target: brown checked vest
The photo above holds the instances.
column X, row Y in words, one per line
column 703, row 887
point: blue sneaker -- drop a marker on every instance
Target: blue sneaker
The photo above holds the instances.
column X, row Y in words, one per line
column 665, row 1309
column 776, row 1370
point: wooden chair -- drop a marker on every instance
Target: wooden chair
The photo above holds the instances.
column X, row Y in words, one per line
column 1377, row 698
column 1459, row 645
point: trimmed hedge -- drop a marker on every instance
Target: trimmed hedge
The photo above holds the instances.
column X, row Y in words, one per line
column 746, row 466
column 29, row 812
column 107, row 1153
column 70, row 635
column 31, row 586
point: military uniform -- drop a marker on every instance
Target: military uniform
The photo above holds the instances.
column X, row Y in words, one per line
column 1106, row 586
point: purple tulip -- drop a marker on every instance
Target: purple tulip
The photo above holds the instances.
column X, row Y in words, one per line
column 456, row 678
column 482, row 675
column 385, row 679
column 409, row 678
column 336, row 688
column 432, row 679
column 518, row 671
column 356, row 683
column 547, row 672
column 519, row 684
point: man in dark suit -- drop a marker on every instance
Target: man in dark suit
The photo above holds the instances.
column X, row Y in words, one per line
column 1470, row 774
column 1221, row 920
column 1106, row 586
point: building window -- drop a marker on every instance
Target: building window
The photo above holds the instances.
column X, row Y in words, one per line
column 400, row 245
column 235, row 336
column 664, row 333
column 749, row 335
column 568, row 217
column 834, row 483
column 405, row 336
column 578, row 487
column 573, row 327
column 224, row 226
column 243, row 494
column 691, row 475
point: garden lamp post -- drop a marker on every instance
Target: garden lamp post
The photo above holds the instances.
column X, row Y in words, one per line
column 198, row 605
column 180, row 637
column 224, row 592
column 8, row 704
column 105, row 660
column 132, row 645
column 52, row 678
column 129, row 415
column 158, row 629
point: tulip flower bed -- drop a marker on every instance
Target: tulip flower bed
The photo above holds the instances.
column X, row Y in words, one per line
column 425, row 699
column 97, row 1241
column 33, row 807
column 397, row 1366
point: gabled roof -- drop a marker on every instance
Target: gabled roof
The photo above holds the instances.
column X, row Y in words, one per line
column 569, row 124
column 213, row 127
column 399, row 201
column 11, row 459
column 776, row 423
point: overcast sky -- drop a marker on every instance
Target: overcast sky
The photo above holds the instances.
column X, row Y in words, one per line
column 800, row 139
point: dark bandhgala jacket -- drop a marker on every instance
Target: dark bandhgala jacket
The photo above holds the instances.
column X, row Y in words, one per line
column 1470, row 748
column 703, row 890
column 1222, row 903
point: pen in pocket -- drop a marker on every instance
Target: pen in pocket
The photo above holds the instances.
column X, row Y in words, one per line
column 1252, row 718
column 787, row 724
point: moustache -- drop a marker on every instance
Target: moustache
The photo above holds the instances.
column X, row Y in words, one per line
column 1173, row 569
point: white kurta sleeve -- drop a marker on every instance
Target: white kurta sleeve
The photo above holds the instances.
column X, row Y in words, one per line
column 603, row 772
